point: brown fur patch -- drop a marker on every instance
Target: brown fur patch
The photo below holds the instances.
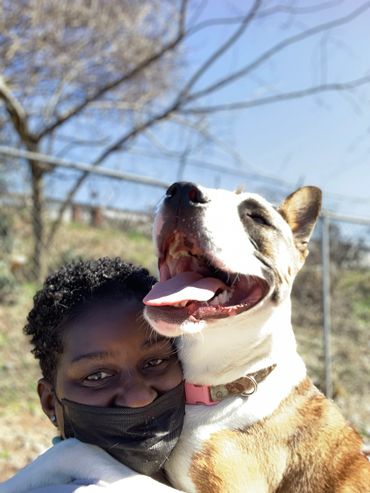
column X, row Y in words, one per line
column 305, row 446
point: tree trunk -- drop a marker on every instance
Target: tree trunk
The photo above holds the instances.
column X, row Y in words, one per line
column 38, row 260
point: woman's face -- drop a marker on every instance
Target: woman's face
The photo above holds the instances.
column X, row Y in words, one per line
column 111, row 358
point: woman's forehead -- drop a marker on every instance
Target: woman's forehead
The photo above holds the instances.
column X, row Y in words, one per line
column 105, row 309
column 107, row 320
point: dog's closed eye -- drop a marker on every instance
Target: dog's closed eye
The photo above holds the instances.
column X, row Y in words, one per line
column 258, row 218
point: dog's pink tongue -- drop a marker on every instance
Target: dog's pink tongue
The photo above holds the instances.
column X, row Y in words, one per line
column 183, row 287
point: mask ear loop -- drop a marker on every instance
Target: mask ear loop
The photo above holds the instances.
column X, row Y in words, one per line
column 53, row 418
column 56, row 397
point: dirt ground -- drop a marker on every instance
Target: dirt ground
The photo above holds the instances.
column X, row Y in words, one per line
column 23, row 438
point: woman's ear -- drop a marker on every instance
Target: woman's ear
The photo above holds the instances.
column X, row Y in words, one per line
column 47, row 399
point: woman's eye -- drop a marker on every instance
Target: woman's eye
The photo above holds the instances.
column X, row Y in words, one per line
column 153, row 363
column 98, row 376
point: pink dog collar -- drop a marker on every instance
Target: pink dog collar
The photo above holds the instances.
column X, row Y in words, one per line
column 198, row 394
column 213, row 394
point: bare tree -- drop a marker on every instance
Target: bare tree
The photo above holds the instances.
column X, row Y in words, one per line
column 81, row 71
column 59, row 58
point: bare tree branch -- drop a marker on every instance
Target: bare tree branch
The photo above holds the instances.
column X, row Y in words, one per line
column 57, row 96
column 74, row 55
column 294, row 10
column 244, row 23
column 201, row 128
column 116, row 146
column 205, row 132
column 16, row 112
column 182, row 18
column 277, row 48
column 120, row 80
column 277, row 98
column 71, row 142
column 204, row 164
column 93, row 142
column 277, row 9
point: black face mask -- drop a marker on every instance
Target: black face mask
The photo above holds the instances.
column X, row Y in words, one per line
column 141, row 438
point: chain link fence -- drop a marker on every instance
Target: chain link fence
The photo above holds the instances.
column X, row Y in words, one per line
column 99, row 223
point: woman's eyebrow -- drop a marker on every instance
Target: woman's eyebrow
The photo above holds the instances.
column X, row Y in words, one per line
column 94, row 355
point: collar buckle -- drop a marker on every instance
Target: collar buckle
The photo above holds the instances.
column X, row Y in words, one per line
column 199, row 394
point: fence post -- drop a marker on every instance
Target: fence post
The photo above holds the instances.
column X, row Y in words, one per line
column 325, row 261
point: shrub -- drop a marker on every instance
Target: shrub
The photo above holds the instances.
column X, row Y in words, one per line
column 6, row 237
column 8, row 284
column 65, row 257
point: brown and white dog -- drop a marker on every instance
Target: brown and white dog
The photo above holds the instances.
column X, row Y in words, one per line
column 227, row 263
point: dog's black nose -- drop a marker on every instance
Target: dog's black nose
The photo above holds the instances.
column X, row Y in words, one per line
column 186, row 193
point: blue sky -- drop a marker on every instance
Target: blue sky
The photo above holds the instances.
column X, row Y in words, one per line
column 321, row 140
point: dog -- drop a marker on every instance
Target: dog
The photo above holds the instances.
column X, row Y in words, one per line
column 254, row 420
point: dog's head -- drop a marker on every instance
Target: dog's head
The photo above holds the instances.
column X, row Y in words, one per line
column 223, row 254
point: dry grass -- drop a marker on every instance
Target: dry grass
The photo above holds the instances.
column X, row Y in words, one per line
column 350, row 343
column 25, row 432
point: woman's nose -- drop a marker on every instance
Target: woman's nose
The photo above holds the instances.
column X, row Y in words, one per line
column 135, row 392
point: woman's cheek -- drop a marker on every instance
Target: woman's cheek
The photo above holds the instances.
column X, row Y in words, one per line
column 173, row 377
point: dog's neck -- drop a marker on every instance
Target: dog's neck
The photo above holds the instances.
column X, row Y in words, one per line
column 255, row 341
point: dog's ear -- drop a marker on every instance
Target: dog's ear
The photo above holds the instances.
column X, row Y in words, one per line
column 300, row 210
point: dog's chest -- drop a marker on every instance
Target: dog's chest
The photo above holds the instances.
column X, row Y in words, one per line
column 201, row 424
column 226, row 453
column 211, row 443
column 210, row 432
column 232, row 454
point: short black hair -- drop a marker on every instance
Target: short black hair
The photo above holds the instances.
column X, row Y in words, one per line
column 71, row 289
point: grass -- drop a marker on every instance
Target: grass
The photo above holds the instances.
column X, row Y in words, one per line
column 24, row 431
column 87, row 242
column 350, row 346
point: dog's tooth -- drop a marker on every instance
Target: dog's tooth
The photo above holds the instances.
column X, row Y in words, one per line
column 221, row 298
column 213, row 301
column 218, row 300
column 225, row 296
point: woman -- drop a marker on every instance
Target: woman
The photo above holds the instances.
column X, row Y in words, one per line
column 108, row 380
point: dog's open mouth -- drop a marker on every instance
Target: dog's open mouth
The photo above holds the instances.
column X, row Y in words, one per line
column 191, row 283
